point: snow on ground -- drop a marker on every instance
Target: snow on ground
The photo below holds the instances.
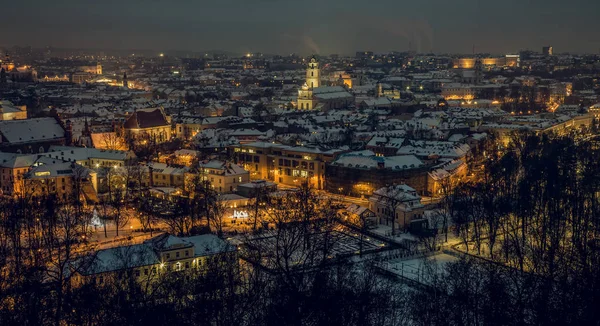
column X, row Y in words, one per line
column 419, row 269
column 386, row 231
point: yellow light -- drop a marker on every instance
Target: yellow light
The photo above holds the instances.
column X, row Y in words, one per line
column 161, row 55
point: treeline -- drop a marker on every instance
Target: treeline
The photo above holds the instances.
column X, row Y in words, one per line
column 533, row 221
column 301, row 281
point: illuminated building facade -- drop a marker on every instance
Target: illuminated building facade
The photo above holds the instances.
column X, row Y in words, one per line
column 9, row 111
column 360, row 180
column 313, row 74
column 62, row 180
column 509, row 60
column 312, row 95
column 7, row 64
column 149, row 125
column 284, row 164
column 457, row 91
column 223, row 177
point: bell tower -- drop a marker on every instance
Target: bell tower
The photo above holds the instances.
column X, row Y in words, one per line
column 313, row 73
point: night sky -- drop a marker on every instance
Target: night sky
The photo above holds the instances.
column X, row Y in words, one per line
column 310, row 26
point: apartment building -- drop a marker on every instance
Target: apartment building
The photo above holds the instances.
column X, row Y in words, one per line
column 287, row 165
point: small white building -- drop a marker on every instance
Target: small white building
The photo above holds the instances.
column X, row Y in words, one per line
column 398, row 203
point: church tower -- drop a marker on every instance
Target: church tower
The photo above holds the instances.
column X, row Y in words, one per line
column 125, row 84
column 313, row 73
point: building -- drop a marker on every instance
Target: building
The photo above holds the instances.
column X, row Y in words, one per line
column 332, row 97
column 90, row 157
column 9, row 111
column 287, row 165
column 547, row 50
column 224, row 177
column 358, row 216
column 399, row 204
column 458, row 91
column 388, row 91
column 509, row 60
column 314, row 96
column 63, row 180
column 31, row 135
column 313, row 74
column 151, row 125
column 7, row 64
column 188, row 127
column 444, row 177
column 359, row 174
column 162, row 175
column 13, row 168
column 145, row 262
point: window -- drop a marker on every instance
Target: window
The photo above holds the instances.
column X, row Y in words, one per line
column 256, row 159
column 311, row 166
column 187, row 253
column 300, row 173
column 168, row 256
column 145, row 271
column 240, row 179
column 177, row 254
column 137, row 273
column 280, row 161
column 187, row 264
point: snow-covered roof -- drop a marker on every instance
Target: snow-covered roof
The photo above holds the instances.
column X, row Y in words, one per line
column 31, row 130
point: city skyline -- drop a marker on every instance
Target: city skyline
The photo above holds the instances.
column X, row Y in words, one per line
column 306, row 28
